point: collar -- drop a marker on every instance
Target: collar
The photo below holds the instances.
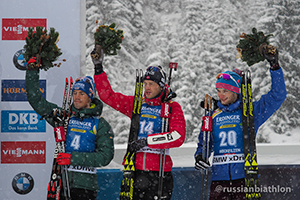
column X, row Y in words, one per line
column 231, row 107
column 156, row 101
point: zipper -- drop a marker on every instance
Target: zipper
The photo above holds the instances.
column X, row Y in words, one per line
column 229, row 172
column 144, row 161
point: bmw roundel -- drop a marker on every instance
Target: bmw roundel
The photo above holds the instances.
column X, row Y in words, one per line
column 19, row 60
column 22, row 183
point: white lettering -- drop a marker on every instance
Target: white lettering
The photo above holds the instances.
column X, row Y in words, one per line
column 229, row 118
column 33, row 118
column 13, row 118
column 19, row 152
column 23, row 118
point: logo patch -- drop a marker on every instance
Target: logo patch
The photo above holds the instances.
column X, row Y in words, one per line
column 23, row 183
column 19, row 60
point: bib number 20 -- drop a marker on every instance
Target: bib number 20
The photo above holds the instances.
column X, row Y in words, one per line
column 228, row 138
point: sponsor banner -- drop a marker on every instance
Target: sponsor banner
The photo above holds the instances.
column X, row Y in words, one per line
column 82, row 169
column 21, row 121
column 22, row 183
column 23, row 152
column 230, row 158
column 15, row 90
column 17, row 28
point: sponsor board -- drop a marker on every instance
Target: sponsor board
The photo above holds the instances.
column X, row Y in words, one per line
column 22, row 183
column 26, row 152
column 15, row 90
column 21, row 121
column 17, row 28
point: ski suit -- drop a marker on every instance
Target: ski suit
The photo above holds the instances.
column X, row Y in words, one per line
column 227, row 135
column 89, row 138
column 148, row 158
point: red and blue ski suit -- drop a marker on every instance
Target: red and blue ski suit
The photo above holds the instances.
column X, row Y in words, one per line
column 147, row 158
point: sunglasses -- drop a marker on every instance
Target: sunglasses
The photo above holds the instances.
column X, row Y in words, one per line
column 156, row 69
column 227, row 77
column 153, row 68
column 87, row 80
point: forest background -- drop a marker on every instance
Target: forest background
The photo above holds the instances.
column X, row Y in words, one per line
column 201, row 36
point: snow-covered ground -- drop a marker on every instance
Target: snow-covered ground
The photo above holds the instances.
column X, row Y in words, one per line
column 291, row 138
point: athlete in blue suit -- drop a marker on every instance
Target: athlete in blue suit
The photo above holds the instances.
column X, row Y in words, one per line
column 227, row 135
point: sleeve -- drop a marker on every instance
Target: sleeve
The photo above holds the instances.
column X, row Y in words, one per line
column 176, row 134
column 118, row 101
column 34, row 97
column 270, row 102
column 104, row 148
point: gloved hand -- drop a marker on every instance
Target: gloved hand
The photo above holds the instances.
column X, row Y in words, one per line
column 63, row 159
column 97, row 56
column 270, row 53
column 32, row 64
column 214, row 103
column 200, row 163
column 138, row 144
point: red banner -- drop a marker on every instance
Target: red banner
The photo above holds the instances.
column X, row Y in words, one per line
column 17, row 28
column 23, row 152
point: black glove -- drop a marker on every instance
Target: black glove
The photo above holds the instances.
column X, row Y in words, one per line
column 138, row 144
column 214, row 103
column 97, row 56
column 200, row 163
column 270, row 53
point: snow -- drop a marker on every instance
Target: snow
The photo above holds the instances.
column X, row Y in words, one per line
column 292, row 138
column 202, row 37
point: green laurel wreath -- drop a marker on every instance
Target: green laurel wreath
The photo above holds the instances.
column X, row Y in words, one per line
column 248, row 46
column 108, row 38
column 42, row 46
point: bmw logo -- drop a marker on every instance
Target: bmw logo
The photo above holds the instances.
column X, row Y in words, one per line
column 19, row 60
column 22, row 183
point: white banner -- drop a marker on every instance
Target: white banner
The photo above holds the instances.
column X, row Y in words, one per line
column 27, row 143
column 228, row 158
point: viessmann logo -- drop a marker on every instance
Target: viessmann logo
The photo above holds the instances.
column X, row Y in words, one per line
column 17, row 28
column 26, row 152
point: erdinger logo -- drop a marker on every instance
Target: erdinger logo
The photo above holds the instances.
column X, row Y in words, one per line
column 19, row 60
column 22, row 183
column 17, row 28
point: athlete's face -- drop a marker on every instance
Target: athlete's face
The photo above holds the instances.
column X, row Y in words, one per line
column 81, row 100
column 152, row 89
column 226, row 97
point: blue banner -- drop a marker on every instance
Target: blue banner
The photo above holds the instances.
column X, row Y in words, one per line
column 15, row 90
column 21, row 121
